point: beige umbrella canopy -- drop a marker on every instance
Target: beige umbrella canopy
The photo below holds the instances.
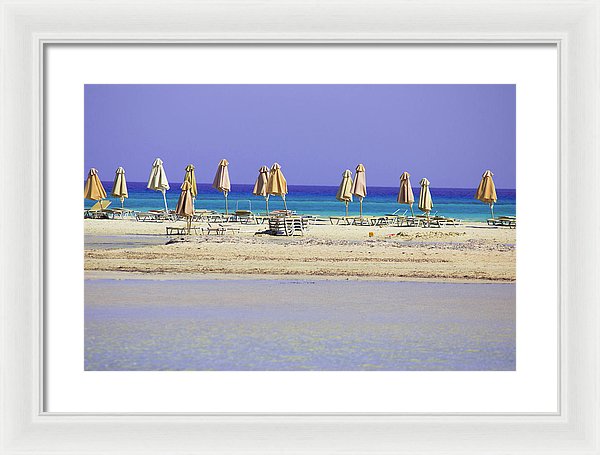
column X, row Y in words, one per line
column 185, row 204
column 359, row 187
column 221, row 181
column 260, row 186
column 425, row 201
column 344, row 193
column 277, row 185
column 405, row 195
column 158, row 180
column 119, row 188
column 486, row 192
column 190, row 176
column 93, row 187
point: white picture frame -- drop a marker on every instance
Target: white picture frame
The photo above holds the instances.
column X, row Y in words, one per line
column 28, row 26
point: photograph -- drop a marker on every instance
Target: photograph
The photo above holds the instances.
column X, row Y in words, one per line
column 299, row 227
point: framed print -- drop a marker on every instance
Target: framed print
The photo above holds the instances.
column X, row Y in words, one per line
column 424, row 295
column 299, row 233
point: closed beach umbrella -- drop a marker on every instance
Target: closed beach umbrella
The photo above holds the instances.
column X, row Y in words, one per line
column 486, row 192
column 344, row 193
column 120, row 185
column 260, row 186
column 277, row 185
column 425, row 201
column 93, row 188
column 190, row 176
column 221, row 181
column 185, row 204
column 359, row 187
column 405, row 195
column 158, row 180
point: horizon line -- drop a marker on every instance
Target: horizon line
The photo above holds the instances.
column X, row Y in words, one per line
column 332, row 186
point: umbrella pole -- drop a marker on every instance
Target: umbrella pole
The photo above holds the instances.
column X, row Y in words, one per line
column 189, row 225
column 360, row 199
column 411, row 211
column 165, row 199
column 346, row 208
column 267, row 203
column 226, row 208
column 122, row 200
column 492, row 210
column 284, row 204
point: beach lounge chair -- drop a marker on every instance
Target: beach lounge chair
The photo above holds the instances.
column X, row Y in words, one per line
column 231, row 229
column 287, row 225
column 220, row 229
column 119, row 213
column 245, row 216
column 361, row 221
column 379, row 220
column 217, row 229
column 505, row 221
column 98, row 210
column 395, row 218
column 154, row 216
column 165, row 216
column 176, row 230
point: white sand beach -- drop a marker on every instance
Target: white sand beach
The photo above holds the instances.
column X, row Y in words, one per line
column 471, row 252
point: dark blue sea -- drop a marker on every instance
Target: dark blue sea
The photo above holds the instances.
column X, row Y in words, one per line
column 320, row 200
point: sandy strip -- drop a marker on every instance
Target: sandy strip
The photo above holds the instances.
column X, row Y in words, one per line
column 467, row 253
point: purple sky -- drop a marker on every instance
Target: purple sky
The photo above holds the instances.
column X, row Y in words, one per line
column 447, row 133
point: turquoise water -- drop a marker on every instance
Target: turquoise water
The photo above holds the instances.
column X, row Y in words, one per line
column 266, row 325
column 320, row 200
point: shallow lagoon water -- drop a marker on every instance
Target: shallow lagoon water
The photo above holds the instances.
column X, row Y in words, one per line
column 322, row 325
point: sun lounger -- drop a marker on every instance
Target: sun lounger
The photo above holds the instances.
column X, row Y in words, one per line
column 219, row 229
column 379, row 220
column 214, row 229
column 260, row 219
column 154, row 216
column 244, row 216
column 505, row 221
column 450, row 221
column 95, row 214
column 287, row 225
column 176, row 230
column 232, row 229
column 98, row 210
column 361, row 220
column 282, row 213
column 119, row 213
